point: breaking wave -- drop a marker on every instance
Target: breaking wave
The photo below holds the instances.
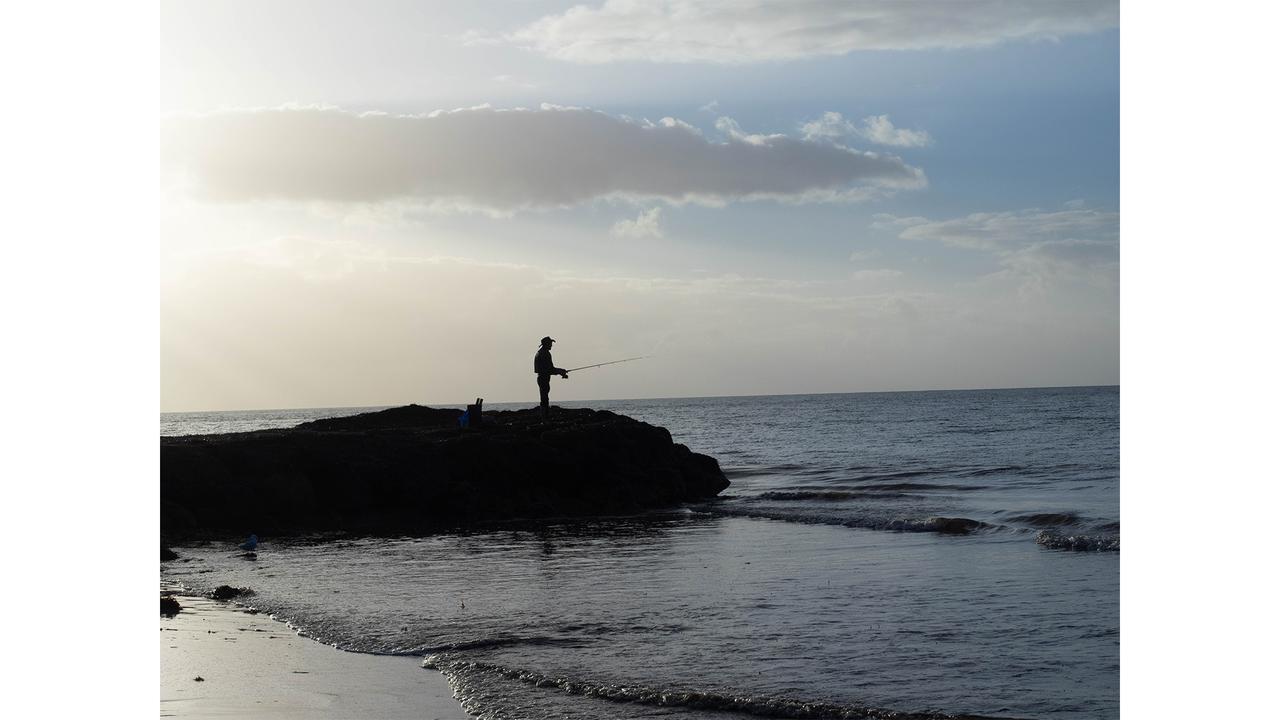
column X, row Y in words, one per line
column 1054, row 535
column 472, row 683
column 1082, row 542
column 493, row 644
column 936, row 524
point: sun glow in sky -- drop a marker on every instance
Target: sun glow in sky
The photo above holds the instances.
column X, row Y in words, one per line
column 391, row 202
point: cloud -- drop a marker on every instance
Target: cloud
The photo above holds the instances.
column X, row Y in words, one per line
column 876, row 128
column 1052, row 256
column 648, row 224
column 730, row 128
column 1035, row 248
column 734, row 32
column 505, row 160
column 886, row 221
column 992, row 231
column 1036, row 268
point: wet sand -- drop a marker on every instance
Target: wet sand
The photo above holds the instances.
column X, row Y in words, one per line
column 255, row 667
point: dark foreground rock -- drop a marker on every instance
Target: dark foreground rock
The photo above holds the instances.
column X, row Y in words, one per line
column 226, row 592
column 412, row 469
column 168, row 606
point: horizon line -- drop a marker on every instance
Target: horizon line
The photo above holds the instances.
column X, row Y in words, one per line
column 667, row 397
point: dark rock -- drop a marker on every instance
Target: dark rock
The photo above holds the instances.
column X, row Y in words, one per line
column 954, row 526
column 168, row 606
column 412, row 469
column 408, row 416
column 167, row 554
column 226, row 592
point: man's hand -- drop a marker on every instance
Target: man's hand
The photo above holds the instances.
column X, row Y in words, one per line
column 564, row 375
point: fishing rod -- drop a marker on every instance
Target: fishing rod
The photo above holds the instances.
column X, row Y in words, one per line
column 611, row 362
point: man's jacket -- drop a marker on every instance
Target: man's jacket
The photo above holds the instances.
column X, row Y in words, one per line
column 542, row 364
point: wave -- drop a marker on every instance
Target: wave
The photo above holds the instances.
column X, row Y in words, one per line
column 944, row 525
column 826, row 495
column 872, row 477
column 995, row 470
column 468, row 677
column 1083, row 543
column 880, row 477
column 923, row 486
column 1047, row 519
column 936, row 524
column 861, row 492
column 1104, row 537
column 493, row 644
column 754, row 470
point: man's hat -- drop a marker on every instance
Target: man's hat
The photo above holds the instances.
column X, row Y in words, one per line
column 548, row 339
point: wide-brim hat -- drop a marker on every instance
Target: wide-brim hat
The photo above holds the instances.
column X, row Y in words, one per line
column 548, row 339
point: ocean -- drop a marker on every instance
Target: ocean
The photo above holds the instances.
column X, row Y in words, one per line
column 918, row 553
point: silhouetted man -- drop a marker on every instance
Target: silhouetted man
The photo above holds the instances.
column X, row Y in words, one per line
column 545, row 368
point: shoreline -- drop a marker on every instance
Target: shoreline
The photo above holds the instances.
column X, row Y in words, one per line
column 251, row 665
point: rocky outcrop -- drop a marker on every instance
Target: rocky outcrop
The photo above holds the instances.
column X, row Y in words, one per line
column 413, row 469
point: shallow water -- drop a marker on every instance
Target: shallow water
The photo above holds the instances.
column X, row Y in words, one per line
column 815, row 589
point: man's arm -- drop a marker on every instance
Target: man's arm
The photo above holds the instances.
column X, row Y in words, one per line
column 555, row 370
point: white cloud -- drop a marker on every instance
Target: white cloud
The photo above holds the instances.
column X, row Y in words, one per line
column 876, row 128
column 886, row 221
column 730, row 127
column 732, row 31
column 648, row 224
column 504, row 160
column 1033, row 247
column 991, row 231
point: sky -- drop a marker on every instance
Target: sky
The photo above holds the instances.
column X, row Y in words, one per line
column 391, row 202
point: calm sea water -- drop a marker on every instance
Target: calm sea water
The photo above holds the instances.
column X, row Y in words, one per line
column 815, row 587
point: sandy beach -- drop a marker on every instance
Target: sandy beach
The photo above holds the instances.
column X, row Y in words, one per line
column 250, row 666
